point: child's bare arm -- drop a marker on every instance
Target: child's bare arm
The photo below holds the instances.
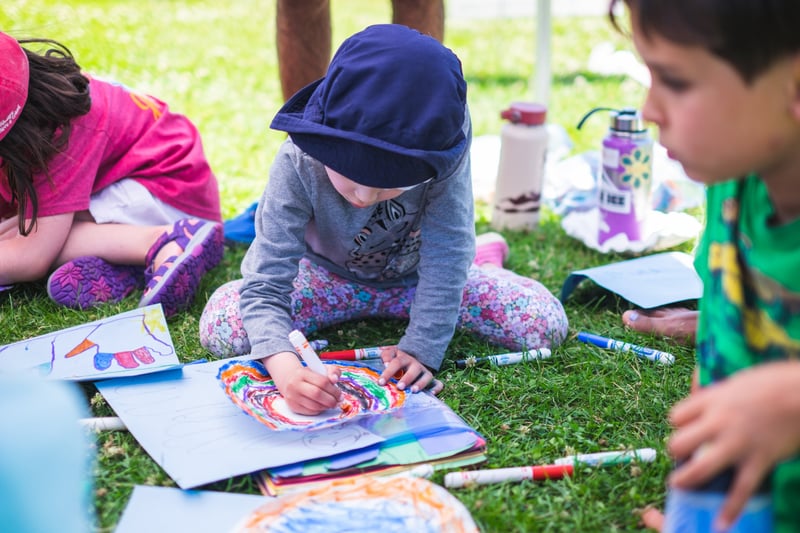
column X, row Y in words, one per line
column 748, row 421
column 305, row 391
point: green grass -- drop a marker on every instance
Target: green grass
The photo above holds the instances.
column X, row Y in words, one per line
column 215, row 61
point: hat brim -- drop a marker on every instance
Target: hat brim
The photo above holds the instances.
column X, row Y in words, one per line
column 364, row 159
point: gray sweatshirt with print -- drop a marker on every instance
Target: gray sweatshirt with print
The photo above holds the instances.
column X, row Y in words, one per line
column 424, row 237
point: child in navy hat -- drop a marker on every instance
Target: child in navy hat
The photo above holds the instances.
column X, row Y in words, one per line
column 368, row 212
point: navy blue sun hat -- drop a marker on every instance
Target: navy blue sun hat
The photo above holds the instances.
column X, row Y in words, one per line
column 389, row 113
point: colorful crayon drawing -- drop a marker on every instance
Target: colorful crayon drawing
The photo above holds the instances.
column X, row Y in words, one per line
column 130, row 343
column 248, row 384
column 364, row 504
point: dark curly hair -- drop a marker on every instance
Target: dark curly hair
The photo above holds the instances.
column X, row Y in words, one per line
column 748, row 34
column 57, row 93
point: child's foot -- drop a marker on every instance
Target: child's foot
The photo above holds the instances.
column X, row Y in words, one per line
column 88, row 281
column 490, row 249
column 198, row 247
column 675, row 322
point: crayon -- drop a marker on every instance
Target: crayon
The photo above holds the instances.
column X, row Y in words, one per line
column 356, row 354
column 612, row 344
column 500, row 475
column 505, row 358
column 645, row 455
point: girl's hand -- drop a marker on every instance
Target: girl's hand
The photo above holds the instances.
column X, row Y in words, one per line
column 747, row 421
column 408, row 371
column 305, row 391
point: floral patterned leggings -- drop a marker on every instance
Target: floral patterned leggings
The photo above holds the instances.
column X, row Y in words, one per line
column 498, row 306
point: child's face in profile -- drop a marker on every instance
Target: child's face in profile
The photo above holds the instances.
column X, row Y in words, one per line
column 360, row 195
column 715, row 124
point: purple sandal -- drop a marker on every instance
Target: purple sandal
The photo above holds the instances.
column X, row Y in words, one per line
column 176, row 280
column 88, row 281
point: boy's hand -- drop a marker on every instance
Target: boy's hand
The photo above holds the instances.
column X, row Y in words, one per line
column 747, row 421
column 305, row 391
column 410, row 372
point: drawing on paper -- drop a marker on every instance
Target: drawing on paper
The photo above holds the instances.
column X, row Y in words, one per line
column 365, row 503
column 248, row 384
column 128, row 343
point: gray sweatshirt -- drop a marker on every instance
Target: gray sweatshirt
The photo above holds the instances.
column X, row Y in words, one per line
column 424, row 237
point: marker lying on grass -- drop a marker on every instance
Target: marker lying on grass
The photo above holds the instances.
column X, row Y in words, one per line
column 647, row 353
column 505, row 358
column 455, row 480
column 103, row 423
column 643, row 455
column 560, row 468
column 356, row 354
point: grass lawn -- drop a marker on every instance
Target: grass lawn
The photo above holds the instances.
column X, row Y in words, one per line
column 214, row 60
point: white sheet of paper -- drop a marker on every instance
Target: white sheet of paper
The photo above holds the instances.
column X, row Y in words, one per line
column 128, row 344
column 187, row 424
column 167, row 509
column 648, row 282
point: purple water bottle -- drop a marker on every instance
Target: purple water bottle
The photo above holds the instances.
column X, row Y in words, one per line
column 626, row 178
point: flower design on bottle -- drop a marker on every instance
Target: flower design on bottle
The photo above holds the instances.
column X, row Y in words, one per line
column 636, row 168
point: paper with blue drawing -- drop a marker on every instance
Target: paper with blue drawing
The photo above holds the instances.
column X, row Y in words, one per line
column 128, row 344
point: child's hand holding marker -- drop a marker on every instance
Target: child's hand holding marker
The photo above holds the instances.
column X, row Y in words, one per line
column 307, row 390
column 409, row 372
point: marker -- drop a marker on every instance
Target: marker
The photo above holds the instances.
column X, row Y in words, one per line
column 103, row 423
column 356, row 354
column 505, row 358
column 644, row 455
column 500, row 475
column 311, row 358
column 318, row 344
column 306, row 352
column 647, row 353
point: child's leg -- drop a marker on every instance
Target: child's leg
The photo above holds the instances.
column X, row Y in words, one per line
column 320, row 299
column 511, row 311
column 127, row 227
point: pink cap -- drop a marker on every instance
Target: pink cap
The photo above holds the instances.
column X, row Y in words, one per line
column 14, row 78
column 529, row 113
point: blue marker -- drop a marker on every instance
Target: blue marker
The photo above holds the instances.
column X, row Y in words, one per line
column 648, row 353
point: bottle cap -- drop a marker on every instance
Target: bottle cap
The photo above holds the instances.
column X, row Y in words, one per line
column 627, row 119
column 529, row 113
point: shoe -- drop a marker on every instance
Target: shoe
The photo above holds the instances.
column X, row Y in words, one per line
column 88, row 281
column 174, row 283
column 242, row 228
column 490, row 248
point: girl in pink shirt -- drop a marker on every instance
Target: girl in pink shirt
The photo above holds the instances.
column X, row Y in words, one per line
column 103, row 189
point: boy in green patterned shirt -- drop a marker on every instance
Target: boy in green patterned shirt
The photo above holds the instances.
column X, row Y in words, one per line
column 725, row 94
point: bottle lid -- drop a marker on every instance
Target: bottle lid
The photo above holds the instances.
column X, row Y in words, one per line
column 627, row 119
column 529, row 113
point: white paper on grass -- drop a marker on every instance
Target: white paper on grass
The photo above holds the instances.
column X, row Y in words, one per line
column 187, row 424
column 648, row 282
column 167, row 509
column 127, row 344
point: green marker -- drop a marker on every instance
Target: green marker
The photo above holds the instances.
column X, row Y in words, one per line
column 644, row 455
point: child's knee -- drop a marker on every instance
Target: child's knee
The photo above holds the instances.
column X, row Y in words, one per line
column 221, row 329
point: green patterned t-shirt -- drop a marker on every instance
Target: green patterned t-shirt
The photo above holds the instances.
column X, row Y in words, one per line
column 750, row 310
